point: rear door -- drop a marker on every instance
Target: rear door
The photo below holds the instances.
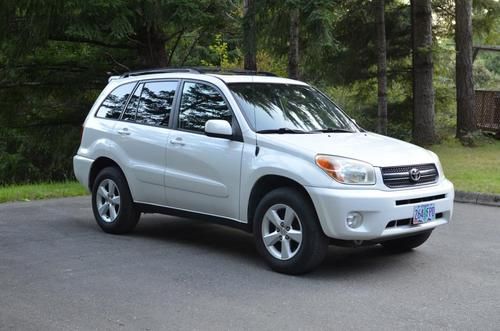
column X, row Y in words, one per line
column 144, row 132
column 203, row 173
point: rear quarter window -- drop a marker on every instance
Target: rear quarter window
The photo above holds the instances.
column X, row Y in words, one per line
column 112, row 106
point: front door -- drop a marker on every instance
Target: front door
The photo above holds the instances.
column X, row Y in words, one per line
column 203, row 173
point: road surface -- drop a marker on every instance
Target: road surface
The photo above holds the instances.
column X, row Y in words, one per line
column 58, row 271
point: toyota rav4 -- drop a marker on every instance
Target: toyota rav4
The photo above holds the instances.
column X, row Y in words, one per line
column 273, row 156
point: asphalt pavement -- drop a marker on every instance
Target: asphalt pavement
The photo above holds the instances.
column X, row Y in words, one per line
column 59, row 271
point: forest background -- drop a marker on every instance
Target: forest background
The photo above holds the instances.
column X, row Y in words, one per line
column 56, row 57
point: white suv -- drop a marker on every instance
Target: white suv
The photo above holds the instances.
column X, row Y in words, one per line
column 269, row 155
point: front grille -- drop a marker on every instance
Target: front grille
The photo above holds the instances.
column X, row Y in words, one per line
column 395, row 177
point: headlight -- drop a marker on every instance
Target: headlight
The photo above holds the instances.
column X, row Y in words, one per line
column 346, row 171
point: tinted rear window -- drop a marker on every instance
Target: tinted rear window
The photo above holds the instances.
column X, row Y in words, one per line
column 155, row 104
column 113, row 105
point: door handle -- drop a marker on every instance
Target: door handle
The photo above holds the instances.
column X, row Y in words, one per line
column 177, row 141
column 124, row 132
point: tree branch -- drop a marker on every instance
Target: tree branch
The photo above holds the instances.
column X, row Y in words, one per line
column 89, row 41
column 191, row 49
column 116, row 62
column 169, row 60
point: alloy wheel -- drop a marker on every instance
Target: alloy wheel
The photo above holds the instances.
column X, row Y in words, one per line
column 108, row 200
column 281, row 231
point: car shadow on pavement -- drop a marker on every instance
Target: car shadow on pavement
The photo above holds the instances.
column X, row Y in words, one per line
column 339, row 263
column 198, row 234
column 343, row 262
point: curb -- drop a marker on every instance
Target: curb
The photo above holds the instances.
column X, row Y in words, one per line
column 478, row 198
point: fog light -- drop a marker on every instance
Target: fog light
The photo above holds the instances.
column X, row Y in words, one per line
column 354, row 220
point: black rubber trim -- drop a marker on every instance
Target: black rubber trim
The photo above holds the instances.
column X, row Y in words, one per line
column 147, row 208
column 417, row 200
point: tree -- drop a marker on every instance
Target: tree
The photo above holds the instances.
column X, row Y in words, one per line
column 293, row 51
column 466, row 122
column 423, row 92
column 249, row 35
column 297, row 32
column 151, row 28
column 381, row 67
column 53, row 50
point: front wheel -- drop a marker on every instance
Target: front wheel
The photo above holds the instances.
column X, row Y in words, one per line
column 407, row 243
column 287, row 232
column 112, row 203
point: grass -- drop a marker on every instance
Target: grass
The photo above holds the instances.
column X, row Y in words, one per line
column 29, row 192
column 471, row 169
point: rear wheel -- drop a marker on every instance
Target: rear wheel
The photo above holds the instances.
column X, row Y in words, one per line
column 112, row 202
column 287, row 232
column 407, row 243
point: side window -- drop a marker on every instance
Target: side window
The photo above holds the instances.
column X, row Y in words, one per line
column 155, row 104
column 200, row 103
column 113, row 105
column 129, row 113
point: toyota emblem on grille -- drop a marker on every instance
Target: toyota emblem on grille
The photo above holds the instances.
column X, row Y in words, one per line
column 414, row 175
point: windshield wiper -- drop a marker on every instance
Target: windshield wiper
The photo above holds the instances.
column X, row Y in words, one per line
column 332, row 130
column 281, row 131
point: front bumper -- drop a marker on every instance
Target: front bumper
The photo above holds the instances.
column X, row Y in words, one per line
column 378, row 208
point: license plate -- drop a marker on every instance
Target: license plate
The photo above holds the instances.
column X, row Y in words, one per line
column 424, row 213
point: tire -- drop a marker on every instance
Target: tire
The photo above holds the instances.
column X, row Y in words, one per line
column 298, row 245
column 406, row 243
column 112, row 203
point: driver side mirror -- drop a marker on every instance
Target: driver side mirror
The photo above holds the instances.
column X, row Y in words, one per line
column 218, row 129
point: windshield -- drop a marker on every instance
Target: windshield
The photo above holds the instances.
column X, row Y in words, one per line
column 284, row 108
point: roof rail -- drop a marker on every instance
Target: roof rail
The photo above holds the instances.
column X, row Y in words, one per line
column 158, row 71
column 196, row 70
column 113, row 78
column 207, row 70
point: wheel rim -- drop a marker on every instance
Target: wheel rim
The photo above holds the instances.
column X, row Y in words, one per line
column 281, row 232
column 108, row 200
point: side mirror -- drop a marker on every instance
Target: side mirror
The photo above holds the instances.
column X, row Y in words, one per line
column 218, row 129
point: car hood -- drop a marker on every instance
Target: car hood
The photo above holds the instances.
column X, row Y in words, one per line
column 378, row 150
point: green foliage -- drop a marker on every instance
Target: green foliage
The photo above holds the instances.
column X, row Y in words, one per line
column 37, row 153
column 269, row 63
column 316, row 30
column 359, row 100
column 219, row 55
column 55, row 57
column 487, row 71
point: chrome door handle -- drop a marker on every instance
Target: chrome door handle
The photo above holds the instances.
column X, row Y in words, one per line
column 124, row 132
column 177, row 141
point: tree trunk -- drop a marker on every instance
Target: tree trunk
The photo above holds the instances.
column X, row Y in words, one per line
column 249, row 35
column 151, row 51
column 293, row 51
column 466, row 122
column 423, row 91
column 382, row 68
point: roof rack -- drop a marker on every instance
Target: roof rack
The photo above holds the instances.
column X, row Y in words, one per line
column 205, row 70
column 157, row 71
column 197, row 70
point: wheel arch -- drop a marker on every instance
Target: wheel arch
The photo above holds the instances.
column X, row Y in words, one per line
column 266, row 184
column 99, row 164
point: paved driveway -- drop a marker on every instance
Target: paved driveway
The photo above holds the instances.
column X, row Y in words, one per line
column 58, row 271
